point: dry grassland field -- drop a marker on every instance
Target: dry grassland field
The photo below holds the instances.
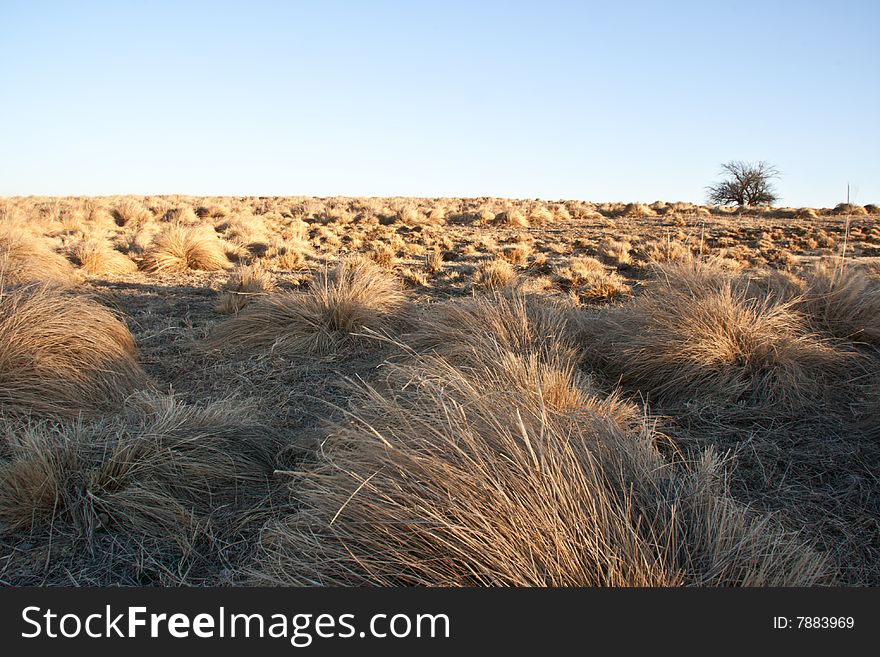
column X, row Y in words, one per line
column 390, row 391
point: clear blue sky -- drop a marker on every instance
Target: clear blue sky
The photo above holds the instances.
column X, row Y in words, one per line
column 610, row 100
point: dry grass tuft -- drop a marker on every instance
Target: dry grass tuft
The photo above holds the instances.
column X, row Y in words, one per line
column 515, row 342
column 383, row 255
column 61, row 355
column 97, row 258
column 587, row 280
column 600, row 288
column 638, row 210
column 182, row 215
column 139, row 240
column 414, row 277
column 665, row 250
column 437, row 216
column 323, row 320
column 843, row 300
column 409, row 215
column 25, row 258
column 287, row 255
column 849, row 209
column 435, row 478
column 434, row 262
column 699, row 334
column 540, row 216
column 484, row 216
column 616, row 252
column 243, row 286
column 469, row 331
column 161, row 483
column 246, row 231
column 561, row 213
column 517, row 254
column 180, row 248
column 495, row 275
column 129, row 212
column 512, row 218
column 211, row 211
column 578, row 268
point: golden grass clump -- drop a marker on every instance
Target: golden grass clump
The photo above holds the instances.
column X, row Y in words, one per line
column 699, row 334
column 470, row 330
column 70, row 222
column 586, row 213
column 849, row 209
column 823, row 239
column 434, row 261
column 323, row 320
column 665, row 250
column 484, row 216
column 660, row 207
column 211, row 211
column 540, row 215
column 246, row 231
column 843, row 300
column 25, row 258
column 129, row 212
column 616, row 252
column 576, row 269
column 782, row 259
column 383, row 255
column 287, row 255
column 414, row 277
column 683, row 207
column 561, row 213
column 409, row 215
column 776, row 285
column 99, row 218
column 136, row 242
column 439, row 476
column 160, row 481
column 182, row 215
column 244, row 285
column 437, row 215
column 325, row 239
column 512, row 218
column 638, row 210
column 515, row 342
column 98, row 258
column 600, row 287
column 294, row 229
column 559, row 386
column 587, row 280
column 495, row 275
column 62, row 355
column 517, row 254
column 610, row 209
column 180, row 248
column 579, row 267
column 410, row 249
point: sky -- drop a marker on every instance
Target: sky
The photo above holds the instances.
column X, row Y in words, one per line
column 603, row 101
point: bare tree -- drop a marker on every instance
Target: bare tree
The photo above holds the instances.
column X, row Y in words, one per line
column 747, row 184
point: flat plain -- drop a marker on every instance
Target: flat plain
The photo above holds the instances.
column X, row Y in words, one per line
column 456, row 392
